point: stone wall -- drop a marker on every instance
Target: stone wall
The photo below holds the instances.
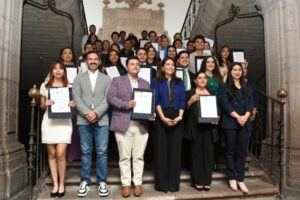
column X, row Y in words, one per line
column 132, row 20
column 13, row 165
column 282, row 41
column 247, row 34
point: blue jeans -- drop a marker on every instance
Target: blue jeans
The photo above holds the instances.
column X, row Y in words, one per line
column 100, row 134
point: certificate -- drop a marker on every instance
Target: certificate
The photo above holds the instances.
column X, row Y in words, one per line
column 61, row 97
column 179, row 50
column 145, row 73
column 207, row 52
column 185, row 43
column 162, row 54
column 112, row 72
column 144, row 108
column 83, row 67
column 210, row 41
column 198, row 62
column 179, row 72
column 123, row 61
column 71, row 73
column 155, row 45
column 238, row 55
column 142, row 43
column 208, row 109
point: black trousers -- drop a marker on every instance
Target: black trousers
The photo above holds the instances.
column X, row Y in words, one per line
column 236, row 151
column 167, row 142
column 202, row 156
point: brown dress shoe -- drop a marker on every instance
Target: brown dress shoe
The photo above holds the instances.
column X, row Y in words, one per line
column 138, row 191
column 126, row 192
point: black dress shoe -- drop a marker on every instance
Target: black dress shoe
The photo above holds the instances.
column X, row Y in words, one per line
column 54, row 194
column 206, row 188
column 60, row 194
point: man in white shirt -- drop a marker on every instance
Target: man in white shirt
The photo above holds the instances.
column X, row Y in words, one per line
column 92, row 29
column 89, row 92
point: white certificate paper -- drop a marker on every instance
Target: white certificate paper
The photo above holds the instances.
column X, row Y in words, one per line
column 238, row 56
column 199, row 63
column 123, row 61
column 142, row 43
column 155, row 45
column 83, row 67
column 210, row 41
column 71, row 74
column 61, row 98
column 207, row 52
column 208, row 107
column 112, row 72
column 179, row 50
column 145, row 73
column 179, row 73
column 143, row 101
column 162, row 54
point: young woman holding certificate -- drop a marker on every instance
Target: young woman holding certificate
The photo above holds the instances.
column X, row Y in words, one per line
column 56, row 133
column 167, row 138
column 73, row 153
column 237, row 104
column 201, row 135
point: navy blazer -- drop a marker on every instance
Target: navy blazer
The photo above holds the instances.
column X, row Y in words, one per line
column 162, row 94
column 239, row 103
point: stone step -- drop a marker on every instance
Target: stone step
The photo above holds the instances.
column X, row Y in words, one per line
column 220, row 190
column 73, row 175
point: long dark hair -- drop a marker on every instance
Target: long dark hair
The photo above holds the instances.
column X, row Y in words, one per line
column 89, row 40
column 231, row 86
column 219, row 56
column 109, row 63
column 61, row 53
column 161, row 74
column 51, row 76
column 216, row 72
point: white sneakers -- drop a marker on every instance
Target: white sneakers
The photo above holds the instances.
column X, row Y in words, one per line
column 102, row 189
column 233, row 184
column 84, row 188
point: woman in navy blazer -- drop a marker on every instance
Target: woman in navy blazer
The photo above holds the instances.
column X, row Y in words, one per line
column 237, row 104
column 169, row 105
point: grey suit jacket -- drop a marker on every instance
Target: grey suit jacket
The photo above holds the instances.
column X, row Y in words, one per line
column 86, row 100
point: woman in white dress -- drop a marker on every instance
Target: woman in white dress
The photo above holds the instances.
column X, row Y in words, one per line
column 56, row 133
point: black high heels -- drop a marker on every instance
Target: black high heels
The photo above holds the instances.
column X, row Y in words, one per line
column 54, row 194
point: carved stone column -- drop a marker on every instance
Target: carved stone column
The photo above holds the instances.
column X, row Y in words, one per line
column 282, row 41
column 13, row 165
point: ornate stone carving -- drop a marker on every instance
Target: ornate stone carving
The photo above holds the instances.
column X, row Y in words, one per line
column 117, row 19
column 135, row 3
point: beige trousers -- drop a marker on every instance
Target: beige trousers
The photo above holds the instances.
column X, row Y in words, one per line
column 131, row 144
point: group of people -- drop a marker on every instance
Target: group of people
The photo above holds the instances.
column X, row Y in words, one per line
column 95, row 95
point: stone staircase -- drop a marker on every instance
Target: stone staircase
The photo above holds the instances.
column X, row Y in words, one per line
column 260, row 186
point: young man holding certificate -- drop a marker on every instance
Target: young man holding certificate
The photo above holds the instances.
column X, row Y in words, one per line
column 89, row 91
column 131, row 135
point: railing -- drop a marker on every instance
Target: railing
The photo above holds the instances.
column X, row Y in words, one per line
column 190, row 18
column 267, row 140
column 37, row 158
column 83, row 18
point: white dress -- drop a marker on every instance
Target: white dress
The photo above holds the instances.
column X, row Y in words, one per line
column 55, row 131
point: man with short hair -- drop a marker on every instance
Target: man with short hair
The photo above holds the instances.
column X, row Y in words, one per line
column 89, row 92
column 152, row 35
column 126, row 51
column 199, row 41
column 92, row 29
column 131, row 135
column 188, row 76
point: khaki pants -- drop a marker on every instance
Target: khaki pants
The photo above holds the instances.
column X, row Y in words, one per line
column 131, row 144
